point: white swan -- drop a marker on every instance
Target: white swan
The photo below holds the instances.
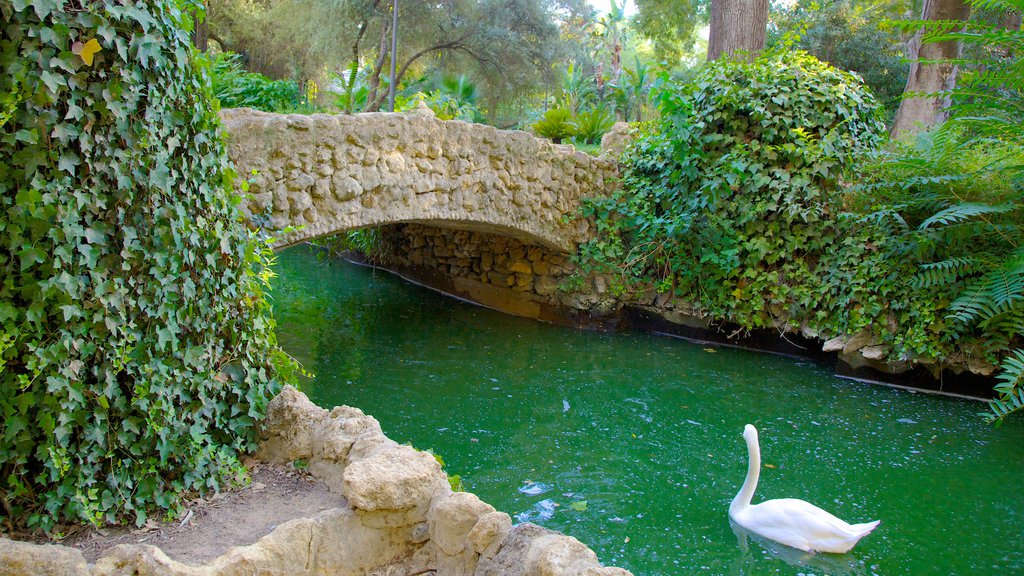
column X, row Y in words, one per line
column 789, row 521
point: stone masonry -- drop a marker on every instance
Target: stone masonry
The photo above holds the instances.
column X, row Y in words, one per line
column 324, row 174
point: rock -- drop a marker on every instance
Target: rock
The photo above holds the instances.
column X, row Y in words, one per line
column 400, row 478
column 614, row 142
column 861, row 339
column 452, row 518
column 26, row 559
column 346, row 436
column 878, row 352
column 834, row 345
column 423, row 110
column 977, row 365
column 521, row 266
column 287, row 430
column 489, row 533
column 531, row 550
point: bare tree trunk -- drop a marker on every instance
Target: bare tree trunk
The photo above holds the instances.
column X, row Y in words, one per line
column 383, row 51
column 201, row 31
column 926, row 98
column 737, row 25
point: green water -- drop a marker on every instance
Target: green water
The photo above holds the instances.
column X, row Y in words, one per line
column 647, row 430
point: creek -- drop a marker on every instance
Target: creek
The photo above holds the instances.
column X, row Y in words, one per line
column 632, row 442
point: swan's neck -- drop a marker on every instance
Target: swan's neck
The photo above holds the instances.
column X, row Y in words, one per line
column 746, row 493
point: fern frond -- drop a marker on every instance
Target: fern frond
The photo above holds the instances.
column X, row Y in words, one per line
column 944, row 273
column 973, row 303
column 964, row 211
column 1010, row 389
column 998, row 5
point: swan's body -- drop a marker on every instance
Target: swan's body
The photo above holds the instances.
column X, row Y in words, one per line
column 789, row 521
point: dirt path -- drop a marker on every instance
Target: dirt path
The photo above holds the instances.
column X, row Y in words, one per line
column 239, row 517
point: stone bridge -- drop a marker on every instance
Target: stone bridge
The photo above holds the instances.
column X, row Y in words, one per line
column 324, row 174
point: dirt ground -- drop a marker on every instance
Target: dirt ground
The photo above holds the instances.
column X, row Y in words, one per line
column 238, row 517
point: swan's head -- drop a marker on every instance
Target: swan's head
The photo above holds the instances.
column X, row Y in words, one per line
column 749, row 432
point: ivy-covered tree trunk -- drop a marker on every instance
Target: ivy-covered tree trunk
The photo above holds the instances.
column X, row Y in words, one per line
column 737, row 25
column 933, row 71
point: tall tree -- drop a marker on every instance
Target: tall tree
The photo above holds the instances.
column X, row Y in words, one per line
column 933, row 68
column 670, row 25
column 737, row 25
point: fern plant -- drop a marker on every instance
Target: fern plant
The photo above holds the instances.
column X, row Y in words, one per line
column 958, row 194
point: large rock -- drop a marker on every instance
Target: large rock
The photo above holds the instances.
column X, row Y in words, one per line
column 397, row 480
column 287, row 430
column 452, row 518
column 26, row 559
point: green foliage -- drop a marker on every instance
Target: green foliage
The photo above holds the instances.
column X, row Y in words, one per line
column 137, row 348
column 733, row 201
column 954, row 200
column 236, row 88
column 850, row 36
column 556, row 125
column 589, row 127
column 449, row 97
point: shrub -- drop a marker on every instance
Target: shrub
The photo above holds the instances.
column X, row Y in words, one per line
column 236, row 88
column 589, row 127
column 733, row 201
column 556, row 125
column 952, row 199
column 137, row 348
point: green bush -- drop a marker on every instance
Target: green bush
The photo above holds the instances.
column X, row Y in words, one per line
column 137, row 348
column 734, row 202
column 953, row 200
column 236, row 88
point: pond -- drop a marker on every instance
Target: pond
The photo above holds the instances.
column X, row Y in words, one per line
column 632, row 442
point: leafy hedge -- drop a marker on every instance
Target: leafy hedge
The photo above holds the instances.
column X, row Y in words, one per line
column 733, row 201
column 137, row 349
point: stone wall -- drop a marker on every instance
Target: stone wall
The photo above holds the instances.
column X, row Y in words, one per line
column 324, row 174
column 401, row 518
column 498, row 271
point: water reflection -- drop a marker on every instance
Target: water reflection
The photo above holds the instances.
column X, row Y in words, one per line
column 748, row 563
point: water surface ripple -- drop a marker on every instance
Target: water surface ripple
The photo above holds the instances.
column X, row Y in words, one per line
column 646, row 430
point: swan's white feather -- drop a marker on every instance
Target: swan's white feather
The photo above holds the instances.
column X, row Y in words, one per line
column 789, row 521
column 801, row 525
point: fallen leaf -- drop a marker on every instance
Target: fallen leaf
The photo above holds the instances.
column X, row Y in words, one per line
column 710, row 350
column 769, row 465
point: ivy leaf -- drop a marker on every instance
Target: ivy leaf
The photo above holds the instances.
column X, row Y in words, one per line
column 86, row 51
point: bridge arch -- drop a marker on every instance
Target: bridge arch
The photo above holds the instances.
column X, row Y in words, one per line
column 324, row 174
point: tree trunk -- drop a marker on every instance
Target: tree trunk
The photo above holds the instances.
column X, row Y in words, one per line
column 927, row 97
column 737, row 25
column 201, row 31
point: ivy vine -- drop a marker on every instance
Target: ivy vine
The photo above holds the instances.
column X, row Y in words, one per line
column 137, row 346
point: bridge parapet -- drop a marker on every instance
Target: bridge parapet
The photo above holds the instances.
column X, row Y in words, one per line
column 324, row 174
